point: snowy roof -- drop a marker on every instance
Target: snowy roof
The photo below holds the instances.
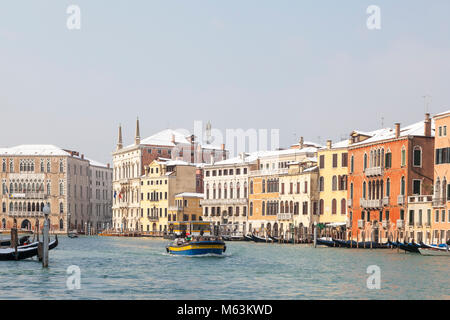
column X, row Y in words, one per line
column 416, row 129
column 310, row 169
column 34, row 150
column 190, row 194
column 250, row 157
column 340, row 144
column 96, row 163
column 442, row 113
column 309, row 144
column 170, row 138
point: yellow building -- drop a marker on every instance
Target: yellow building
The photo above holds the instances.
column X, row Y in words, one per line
column 333, row 171
column 187, row 207
column 163, row 180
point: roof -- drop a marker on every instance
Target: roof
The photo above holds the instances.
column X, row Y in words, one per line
column 415, row 129
column 190, row 195
column 34, row 150
column 337, row 145
column 170, row 138
column 442, row 113
column 96, row 163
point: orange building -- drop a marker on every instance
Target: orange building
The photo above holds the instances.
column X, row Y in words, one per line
column 440, row 222
column 387, row 166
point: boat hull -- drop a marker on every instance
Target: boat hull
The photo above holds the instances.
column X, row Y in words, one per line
column 197, row 248
column 434, row 252
column 24, row 252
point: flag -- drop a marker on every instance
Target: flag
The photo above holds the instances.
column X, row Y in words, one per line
column 115, row 193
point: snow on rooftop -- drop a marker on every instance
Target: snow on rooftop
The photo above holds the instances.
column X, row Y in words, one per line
column 96, row 163
column 415, row 129
column 34, row 150
column 190, row 195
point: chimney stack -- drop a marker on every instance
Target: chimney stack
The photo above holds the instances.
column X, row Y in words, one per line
column 172, row 139
column 329, row 144
column 82, row 157
column 301, row 142
column 427, row 125
column 108, row 165
column 397, row 130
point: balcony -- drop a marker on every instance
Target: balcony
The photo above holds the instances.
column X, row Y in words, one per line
column 419, row 224
column 153, row 218
column 386, row 201
column 350, row 203
column 385, row 224
column 361, row 224
column 375, row 171
column 420, row 199
column 29, row 195
column 400, row 224
column 176, row 208
column 374, row 203
column 268, row 172
column 212, row 202
column 349, row 223
column 284, row 216
column 438, row 202
column 401, row 200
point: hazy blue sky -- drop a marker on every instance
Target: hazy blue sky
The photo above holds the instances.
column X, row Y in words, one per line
column 309, row 68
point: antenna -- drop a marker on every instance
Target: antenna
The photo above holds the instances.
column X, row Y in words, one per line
column 382, row 122
column 427, row 100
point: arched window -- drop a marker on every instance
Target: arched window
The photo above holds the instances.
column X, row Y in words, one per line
column 238, row 190
column 333, row 206
column 351, row 190
column 61, row 208
column 402, row 186
column 251, row 187
column 364, row 190
column 61, row 189
column 388, row 187
column 61, row 224
column 263, row 208
column 352, row 164
column 245, row 190
column 417, row 156
column 251, row 208
column 263, row 186
column 225, row 191
column 365, row 161
column 231, row 191
column 61, row 166
column 343, row 206
column 403, row 157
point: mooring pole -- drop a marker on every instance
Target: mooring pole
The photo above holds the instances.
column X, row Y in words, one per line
column 45, row 236
column 14, row 239
column 315, row 234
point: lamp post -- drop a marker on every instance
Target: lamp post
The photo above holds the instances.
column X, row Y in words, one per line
column 45, row 236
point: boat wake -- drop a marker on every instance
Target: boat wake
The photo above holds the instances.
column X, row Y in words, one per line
column 199, row 256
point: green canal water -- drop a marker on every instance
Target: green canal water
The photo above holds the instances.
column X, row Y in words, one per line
column 139, row 268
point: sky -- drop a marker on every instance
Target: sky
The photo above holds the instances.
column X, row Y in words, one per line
column 308, row 68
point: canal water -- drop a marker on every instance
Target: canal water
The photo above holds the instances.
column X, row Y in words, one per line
column 139, row 268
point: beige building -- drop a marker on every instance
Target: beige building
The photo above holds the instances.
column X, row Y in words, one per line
column 129, row 163
column 163, row 180
column 35, row 175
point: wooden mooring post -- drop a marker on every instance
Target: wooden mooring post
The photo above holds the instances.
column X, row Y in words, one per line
column 14, row 239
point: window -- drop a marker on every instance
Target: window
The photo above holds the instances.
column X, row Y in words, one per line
column 388, row 160
column 333, row 206
column 344, row 160
column 343, row 206
column 417, row 157
column 403, row 157
column 364, row 190
column 402, row 186
column 335, row 160
column 365, row 161
column 334, row 183
column 321, row 184
column 416, row 186
column 352, row 164
column 322, row 161
column 388, row 187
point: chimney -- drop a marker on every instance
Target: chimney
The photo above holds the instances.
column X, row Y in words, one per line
column 172, row 139
column 82, row 157
column 397, row 130
column 427, row 125
column 329, row 144
column 300, row 143
column 224, row 152
column 108, row 165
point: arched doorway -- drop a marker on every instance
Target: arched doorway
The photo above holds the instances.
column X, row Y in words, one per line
column 61, row 224
column 26, row 224
column 275, row 229
column 3, row 223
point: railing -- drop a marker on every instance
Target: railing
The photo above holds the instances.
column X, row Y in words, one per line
column 176, row 208
column 29, row 195
column 361, row 223
column 268, row 172
column 400, row 224
column 350, row 202
column 153, row 218
column 375, row 171
column 209, row 202
column 416, row 199
column 386, row 201
column 419, row 224
column 438, row 202
column 25, row 214
column 284, row 216
column 374, row 203
column 401, row 200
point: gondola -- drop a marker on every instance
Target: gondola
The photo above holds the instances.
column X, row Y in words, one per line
column 248, row 238
column 261, row 239
column 433, row 250
column 7, row 243
column 25, row 252
column 326, row 242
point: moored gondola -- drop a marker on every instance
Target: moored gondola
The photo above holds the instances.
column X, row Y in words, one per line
column 261, row 239
column 25, row 252
column 7, row 243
